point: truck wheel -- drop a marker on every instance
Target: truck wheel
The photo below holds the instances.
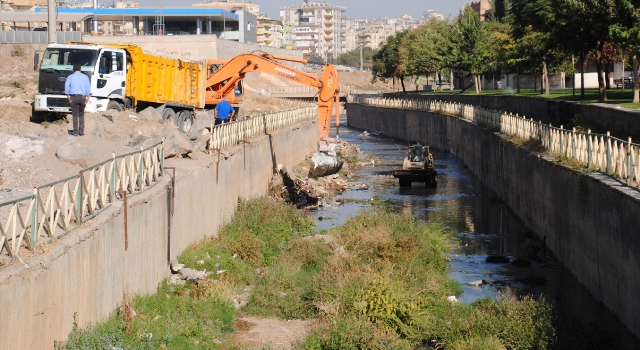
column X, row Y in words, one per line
column 114, row 106
column 169, row 115
column 405, row 183
column 185, row 121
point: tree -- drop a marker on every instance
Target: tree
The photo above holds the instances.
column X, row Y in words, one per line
column 589, row 22
column 625, row 33
column 387, row 63
column 499, row 10
column 531, row 21
column 466, row 34
column 418, row 49
column 352, row 58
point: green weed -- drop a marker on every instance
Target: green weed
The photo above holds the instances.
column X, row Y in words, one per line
column 377, row 282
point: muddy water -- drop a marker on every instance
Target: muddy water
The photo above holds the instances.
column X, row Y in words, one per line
column 482, row 225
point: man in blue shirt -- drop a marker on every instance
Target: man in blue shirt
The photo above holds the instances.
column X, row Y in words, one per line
column 224, row 112
column 77, row 87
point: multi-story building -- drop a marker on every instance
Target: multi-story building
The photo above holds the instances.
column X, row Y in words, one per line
column 431, row 14
column 232, row 5
column 351, row 35
column 319, row 28
column 274, row 33
column 372, row 33
column 481, row 7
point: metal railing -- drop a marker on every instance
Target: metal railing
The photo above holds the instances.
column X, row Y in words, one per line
column 230, row 134
column 37, row 36
column 58, row 207
column 306, row 90
column 600, row 152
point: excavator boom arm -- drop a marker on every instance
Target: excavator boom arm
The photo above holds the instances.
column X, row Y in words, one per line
column 221, row 82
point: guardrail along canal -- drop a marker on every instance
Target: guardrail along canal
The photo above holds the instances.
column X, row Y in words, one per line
column 483, row 226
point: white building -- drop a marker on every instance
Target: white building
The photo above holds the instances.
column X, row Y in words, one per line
column 319, row 28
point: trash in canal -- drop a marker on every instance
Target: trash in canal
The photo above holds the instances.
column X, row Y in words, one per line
column 297, row 194
column 497, row 259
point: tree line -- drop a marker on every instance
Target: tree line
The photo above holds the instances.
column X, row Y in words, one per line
column 518, row 37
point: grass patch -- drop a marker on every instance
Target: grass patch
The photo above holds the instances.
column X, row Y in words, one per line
column 176, row 317
column 377, row 282
column 614, row 96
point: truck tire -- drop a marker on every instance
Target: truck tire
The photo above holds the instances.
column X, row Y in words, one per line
column 114, row 106
column 169, row 115
column 185, row 121
column 404, row 183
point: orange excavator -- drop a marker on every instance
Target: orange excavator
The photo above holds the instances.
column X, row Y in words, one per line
column 224, row 76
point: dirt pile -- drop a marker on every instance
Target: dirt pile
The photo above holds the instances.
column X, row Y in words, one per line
column 39, row 153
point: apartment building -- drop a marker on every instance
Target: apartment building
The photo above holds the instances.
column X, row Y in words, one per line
column 232, row 5
column 482, row 7
column 274, row 33
column 431, row 14
column 319, row 28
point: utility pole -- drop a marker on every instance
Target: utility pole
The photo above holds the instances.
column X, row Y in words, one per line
column 361, row 45
column 51, row 11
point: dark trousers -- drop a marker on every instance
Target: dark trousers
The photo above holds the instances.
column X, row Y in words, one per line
column 77, row 110
column 221, row 121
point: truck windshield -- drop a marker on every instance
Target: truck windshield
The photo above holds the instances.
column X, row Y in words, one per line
column 63, row 59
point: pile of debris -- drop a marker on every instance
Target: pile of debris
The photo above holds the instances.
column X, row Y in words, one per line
column 181, row 274
column 302, row 187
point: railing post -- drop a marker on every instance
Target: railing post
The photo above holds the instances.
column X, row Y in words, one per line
column 140, row 166
column 34, row 218
column 79, row 198
column 608, row 143
column 629, row 165
column 589, row 149
column 550, row 137
column 112, row 182
column 162, row 154
column 573, row 143
column 561, row 139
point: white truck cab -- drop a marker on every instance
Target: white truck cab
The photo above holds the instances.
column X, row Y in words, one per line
column 105, row 66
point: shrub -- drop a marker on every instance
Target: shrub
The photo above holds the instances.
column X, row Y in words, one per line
column 18, row 51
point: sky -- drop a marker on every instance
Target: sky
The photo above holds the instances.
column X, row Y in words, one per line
column 355, row 8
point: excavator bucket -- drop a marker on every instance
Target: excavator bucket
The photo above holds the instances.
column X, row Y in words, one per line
column 325, row 162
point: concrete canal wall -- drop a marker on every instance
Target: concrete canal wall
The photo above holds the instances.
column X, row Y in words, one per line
column 89, row 271
column 590, row 222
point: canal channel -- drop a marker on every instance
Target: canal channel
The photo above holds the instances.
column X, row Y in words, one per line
column 482, row 226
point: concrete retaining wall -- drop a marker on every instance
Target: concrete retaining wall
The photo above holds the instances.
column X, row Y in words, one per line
column 190, row 47
column 590, row 222
column 185, row 47
column 88, row 271
column 621, row 122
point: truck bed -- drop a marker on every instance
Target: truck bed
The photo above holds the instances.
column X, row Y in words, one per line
column 164, row 80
